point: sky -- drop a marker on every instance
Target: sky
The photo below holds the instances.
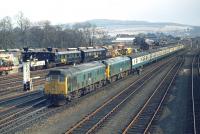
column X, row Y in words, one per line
column 68, row 11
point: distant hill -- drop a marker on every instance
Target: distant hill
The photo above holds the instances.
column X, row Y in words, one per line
column 107, row 23
column 134, row 27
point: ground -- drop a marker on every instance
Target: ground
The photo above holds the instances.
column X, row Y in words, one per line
column 174, row 117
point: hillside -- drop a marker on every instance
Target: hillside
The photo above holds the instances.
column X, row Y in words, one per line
column 134, row 27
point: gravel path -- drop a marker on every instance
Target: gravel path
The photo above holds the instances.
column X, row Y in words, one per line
column 60, row 122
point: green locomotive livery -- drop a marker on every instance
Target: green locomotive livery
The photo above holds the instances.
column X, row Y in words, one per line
column 78, row 80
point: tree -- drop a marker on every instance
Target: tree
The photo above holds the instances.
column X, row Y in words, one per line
column 6, row 30
column 88, row 31
column 43, row 34
column 23, row 24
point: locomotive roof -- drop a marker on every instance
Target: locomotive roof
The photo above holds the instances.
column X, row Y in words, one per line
column 116, row 59
column 76, row 69
column 139, row 54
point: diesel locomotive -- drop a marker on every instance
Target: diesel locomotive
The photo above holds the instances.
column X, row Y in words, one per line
column 71, row 82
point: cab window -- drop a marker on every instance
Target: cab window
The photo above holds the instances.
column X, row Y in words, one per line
column 62, row 78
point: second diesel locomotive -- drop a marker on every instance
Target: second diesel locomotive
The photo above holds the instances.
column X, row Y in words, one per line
column 71, row 82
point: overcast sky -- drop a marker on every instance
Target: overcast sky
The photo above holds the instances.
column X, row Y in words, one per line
column 64, row 11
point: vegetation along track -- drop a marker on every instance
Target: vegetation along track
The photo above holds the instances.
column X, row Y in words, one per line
column 95, row 119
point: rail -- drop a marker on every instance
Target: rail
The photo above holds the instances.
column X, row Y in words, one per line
column 97, row 117
column 144, row 118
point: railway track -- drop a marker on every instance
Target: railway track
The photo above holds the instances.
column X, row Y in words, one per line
column 13, row 83
column 94, row 120
column 18, row 76
column 19, row 88
column 17, row 80
column 13, row 110
column 7, row 102
column 34, row 110
column 195, row 94
column 7, row 114
column 29, row 115
column 142, row 122
column 9, row 124
column 15, row 86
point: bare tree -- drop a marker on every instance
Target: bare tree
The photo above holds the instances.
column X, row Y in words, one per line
column 23, row 23
column 6, row 39
column 43, row 34
column 88, row 30
column 49, row 33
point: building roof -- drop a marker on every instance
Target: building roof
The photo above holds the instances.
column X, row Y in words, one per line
column 125, row 39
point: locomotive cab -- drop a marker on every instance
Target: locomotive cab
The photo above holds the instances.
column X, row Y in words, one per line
column 55, row 86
